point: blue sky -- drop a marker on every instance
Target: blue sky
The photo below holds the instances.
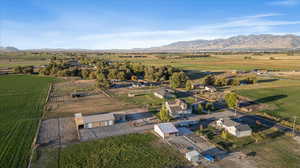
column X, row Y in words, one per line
column 123, row 24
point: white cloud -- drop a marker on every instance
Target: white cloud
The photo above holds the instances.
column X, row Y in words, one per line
column 285, row 2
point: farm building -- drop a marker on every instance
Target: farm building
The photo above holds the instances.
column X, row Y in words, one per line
column 234, row 128
column 92, row 121
column 210, row 89
column 165, row 130
column 192, row 156
column 164, row 94
column 178, row 108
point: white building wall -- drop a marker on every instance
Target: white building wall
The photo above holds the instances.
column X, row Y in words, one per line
column 158, row 131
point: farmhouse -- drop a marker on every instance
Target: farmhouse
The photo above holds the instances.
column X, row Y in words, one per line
column 165, row 130
column 164, row 94
column 234, row 128
column 192, row 156
column 92, row 121
column 178, row 108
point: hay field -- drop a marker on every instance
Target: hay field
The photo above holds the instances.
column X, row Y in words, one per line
column 22, row 98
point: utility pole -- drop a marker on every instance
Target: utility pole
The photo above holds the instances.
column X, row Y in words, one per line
column 295, row 117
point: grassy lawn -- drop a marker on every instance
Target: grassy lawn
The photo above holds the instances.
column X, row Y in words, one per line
column 231, row 143
column 142, row 99
column 129, row 151
column 21, row 104
column 277, row 153
column 284, row 101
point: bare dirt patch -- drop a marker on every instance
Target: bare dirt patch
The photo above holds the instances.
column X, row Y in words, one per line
column 61, row 103
column 57, row 132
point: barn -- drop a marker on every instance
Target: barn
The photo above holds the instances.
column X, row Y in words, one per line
column 165, row 130
column 92, row 121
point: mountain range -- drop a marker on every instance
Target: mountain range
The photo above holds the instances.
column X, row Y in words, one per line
column 250, row 42
column 8, row 49
column 263, row 42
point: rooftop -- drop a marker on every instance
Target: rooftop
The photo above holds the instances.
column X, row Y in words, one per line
column 193, row 153
column 243, row 127
column 228, row 122
column 98, row 117
column 167, row 127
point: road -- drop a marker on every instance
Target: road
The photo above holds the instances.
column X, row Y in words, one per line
column 125, row 128
column 266, row 122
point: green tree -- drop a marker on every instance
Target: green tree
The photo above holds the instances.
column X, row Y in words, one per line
column 224, row 134
column 209, row 80
column 178, row 79
column 209, row 107
column 221, row 81
column 188, row 85
column 164, row 114
column 85, row 73
column 231, row 100
column 121, row 75
column 18, row 69
column 112, row 74
column 236, row 82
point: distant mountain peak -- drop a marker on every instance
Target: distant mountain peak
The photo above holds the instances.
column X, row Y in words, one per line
column 262, row 42
column 8, row 49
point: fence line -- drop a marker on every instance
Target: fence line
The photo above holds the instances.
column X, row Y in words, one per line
column 33, row 146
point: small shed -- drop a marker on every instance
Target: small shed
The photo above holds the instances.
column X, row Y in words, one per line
column 165, row 130
column 192, row 156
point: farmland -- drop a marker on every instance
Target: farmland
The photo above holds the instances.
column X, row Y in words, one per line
column 133, row 150
column 283, row 101
column 22, row 99
column 276, row 153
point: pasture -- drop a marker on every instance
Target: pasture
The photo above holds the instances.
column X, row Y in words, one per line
column 283, row 101
column 276, row 153
column 22, row 99
column 223, row 62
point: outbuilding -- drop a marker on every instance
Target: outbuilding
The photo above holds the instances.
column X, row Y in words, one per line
column 92, row 121
column 166, row 130
column 192, row 156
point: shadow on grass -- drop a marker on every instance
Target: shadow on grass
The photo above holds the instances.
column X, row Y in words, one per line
column 196, row 74
column 263, row 100
column 267, row 80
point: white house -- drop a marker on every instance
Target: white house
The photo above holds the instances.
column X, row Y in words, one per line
column 234, row 128
column 178, row 108
column 165, row 130
column 192, row 156
column 210, row 89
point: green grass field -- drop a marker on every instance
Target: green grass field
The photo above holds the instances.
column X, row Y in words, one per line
column 143, row 100
column 21, row 105
column 128, row 151
column 284, row 101
column 276, row 153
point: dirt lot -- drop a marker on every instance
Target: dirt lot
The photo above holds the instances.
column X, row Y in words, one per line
column 58, row 131
column 61, row 104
